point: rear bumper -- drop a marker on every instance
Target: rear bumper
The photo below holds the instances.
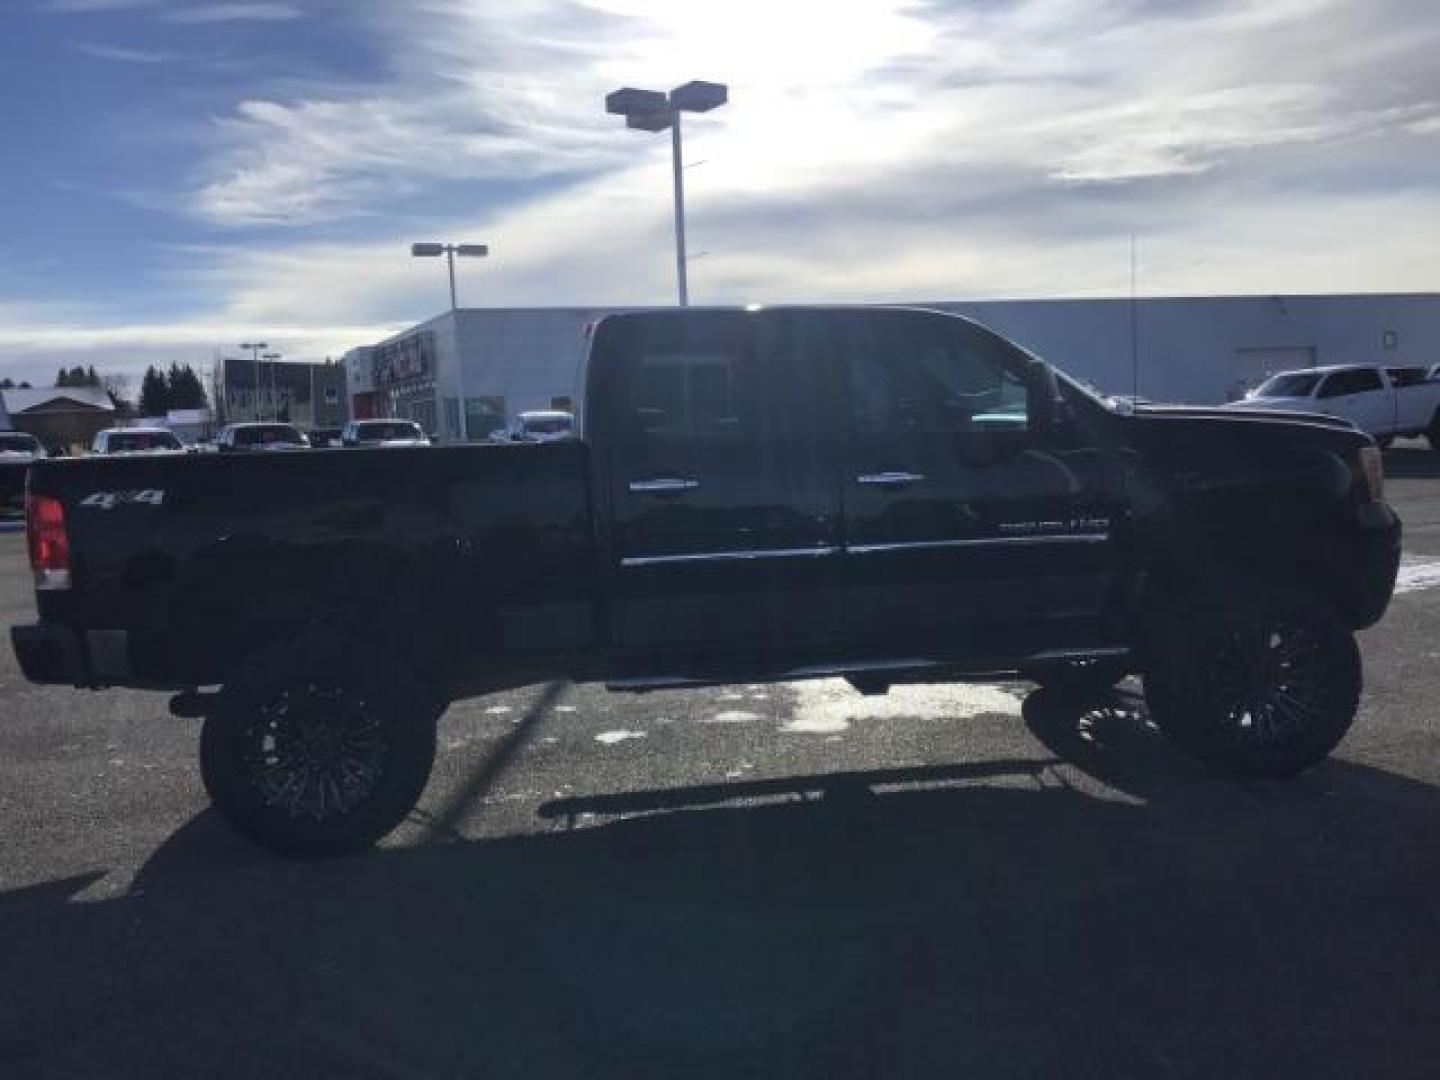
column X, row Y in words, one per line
column 50, row 654
column 1377, row 563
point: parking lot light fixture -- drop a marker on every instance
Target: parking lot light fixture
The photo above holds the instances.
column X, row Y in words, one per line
column 255, row 347
column 432, row 250
column 653, row 111
column 274, row 406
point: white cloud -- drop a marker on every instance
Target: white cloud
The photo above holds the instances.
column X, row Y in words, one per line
column 222, row 13
column 119, row 52
column 895, row 149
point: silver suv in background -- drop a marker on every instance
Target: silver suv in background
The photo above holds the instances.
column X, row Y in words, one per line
column 390, row 432
column 260, row 436
column 136, row 440
column 542, row 425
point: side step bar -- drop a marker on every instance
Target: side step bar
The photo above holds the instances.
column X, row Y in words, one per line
column 869, row 676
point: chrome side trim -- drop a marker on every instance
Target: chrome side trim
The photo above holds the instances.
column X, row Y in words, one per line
column 663, row 485
column 729, row 556
column 884, row 478
column 984, row 541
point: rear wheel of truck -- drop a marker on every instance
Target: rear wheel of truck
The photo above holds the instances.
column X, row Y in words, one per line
column 317, row 748
column 1255, row 680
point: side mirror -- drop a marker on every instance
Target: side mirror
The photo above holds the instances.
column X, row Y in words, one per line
column 1042, row 397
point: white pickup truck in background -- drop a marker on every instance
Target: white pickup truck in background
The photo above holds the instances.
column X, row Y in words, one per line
column 1381, row 401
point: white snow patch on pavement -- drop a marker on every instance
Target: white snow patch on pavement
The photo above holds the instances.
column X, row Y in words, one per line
column 1418, row 575
column 610, row 738
column 825, row 706
column 731, row 716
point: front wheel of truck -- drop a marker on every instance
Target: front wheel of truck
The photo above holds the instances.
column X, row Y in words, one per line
column 1256, row 680
column 318, row 748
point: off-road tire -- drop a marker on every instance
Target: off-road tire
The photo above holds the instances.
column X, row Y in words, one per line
column 318, row 747
column 1253, row 679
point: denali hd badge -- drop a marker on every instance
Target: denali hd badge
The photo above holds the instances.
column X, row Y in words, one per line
column 109, row 500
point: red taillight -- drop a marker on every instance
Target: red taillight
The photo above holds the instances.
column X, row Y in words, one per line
column 49, row 545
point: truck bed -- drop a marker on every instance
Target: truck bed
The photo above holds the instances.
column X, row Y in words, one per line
column 181, row 566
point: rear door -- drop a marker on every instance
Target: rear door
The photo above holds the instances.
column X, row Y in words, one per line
column 723, row 506
column 1414, row 398
column 966, row 532
column 1360, row 396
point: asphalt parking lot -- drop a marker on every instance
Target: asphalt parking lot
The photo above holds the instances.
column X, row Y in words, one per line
column 780, row 881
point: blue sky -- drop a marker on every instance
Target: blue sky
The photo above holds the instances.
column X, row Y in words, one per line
column 185, row 174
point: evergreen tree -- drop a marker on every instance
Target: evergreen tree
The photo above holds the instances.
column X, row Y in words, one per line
column 77, row 376
column 92, row 379
column 154, row 394
column 62, row 378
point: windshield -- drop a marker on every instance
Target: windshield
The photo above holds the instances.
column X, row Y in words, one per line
column 388, row 430
column 268, row 435
column 1292, row 384
column 19, row 444
column 133, row 442
column 548, row 426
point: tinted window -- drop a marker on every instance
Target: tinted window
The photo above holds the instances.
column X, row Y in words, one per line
column 1407, row 376
column 1295, row 384
column 549, row 426
column 385, row 431
column 689, row 394
column 911, row 375
column 18, row 444
column 266, row 435
column 133, row 442
column 1354, row 381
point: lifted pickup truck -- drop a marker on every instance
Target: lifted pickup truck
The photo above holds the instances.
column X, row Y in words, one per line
column 883, row 494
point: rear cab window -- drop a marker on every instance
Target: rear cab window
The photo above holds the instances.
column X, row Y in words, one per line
column 1353, row 381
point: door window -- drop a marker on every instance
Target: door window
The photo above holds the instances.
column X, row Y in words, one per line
column 909, row 377
column 1355, row 381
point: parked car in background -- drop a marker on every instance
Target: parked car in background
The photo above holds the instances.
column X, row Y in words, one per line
column 17, row 450
column 260, row 436
column 1383, row 402
column 543, row 425
column 136, row 440
column 325, row 437
column 388, row 433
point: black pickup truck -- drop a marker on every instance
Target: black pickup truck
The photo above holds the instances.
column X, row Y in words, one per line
column 883, row 494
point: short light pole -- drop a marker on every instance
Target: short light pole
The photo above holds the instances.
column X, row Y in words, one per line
column 426, row 251
column 274, row 407
column 255, row 347
column 651, row 110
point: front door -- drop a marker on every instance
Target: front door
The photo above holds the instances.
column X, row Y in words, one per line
column 725, row 516
column 1358, row 395
column 966, row 533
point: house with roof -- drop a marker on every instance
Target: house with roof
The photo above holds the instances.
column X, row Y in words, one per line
column 64, row 418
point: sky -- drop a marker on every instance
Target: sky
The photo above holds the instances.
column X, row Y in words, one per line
column 184, row 175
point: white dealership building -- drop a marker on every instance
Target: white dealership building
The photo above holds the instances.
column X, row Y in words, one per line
column 464, row 373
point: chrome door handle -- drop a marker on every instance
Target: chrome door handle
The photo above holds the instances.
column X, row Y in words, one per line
column 663, row 485
column 886, row 479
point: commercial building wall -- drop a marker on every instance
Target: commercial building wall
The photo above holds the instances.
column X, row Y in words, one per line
column 1197, row 350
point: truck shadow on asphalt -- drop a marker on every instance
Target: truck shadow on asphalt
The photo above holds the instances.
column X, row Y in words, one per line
column 1115, row 911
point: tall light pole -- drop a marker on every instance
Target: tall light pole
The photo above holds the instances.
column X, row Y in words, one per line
column 651, row 110
column 478, row 251
column 255, row 347
column 274, row 409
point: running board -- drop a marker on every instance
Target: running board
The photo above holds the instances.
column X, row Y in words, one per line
column 886, row 671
